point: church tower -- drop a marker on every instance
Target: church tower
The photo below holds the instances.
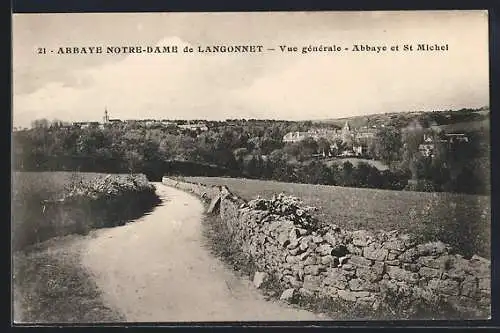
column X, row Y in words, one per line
column 346, row 132
column 106, row 116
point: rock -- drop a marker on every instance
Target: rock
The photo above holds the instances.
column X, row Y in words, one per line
column 455, row 273
column 329, row 260
column 324, row 249
column 393, row 262
column 485, row 261
column 310, row 260
column 361, row 238
column 411, row 267
column 469, row 287
column 371, row 274
column 293, row 235
column 361, row 294
column 312, row 269
column 373, row 253
column 259, row 278
column 304, row 255
column 295, row 251
column 317, row 239
column 292, row 259
column 395, row 244
column 330, row 238
column 304, row 246
column 312, row 246
column 348, row 267
column 356, row 284
column 311, row 282
column 432, row 262
column 287, row 295
column 409, row 255
column 399, row 274
column 303, row 232
column 214, row 204
column 354, row 249
column 432, row 248
column 360, row 261
column 335, row 279
column 429, row 273
column 293, row 244
column 392, row 255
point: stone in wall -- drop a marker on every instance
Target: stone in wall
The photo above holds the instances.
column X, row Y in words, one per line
column 358, row 266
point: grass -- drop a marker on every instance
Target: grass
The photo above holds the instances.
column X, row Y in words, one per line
column 461, row 220
column 51, row 286
column 47, row 185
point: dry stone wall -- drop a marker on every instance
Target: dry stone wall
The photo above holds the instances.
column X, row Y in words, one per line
column 360, row 266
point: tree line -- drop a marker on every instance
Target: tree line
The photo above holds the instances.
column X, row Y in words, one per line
column 254, row 149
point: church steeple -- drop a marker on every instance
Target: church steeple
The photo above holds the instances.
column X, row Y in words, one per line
column 106, row 116
column 346, row 132
column 346, row 126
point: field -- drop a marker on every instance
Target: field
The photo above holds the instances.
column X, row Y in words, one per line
column 355, row 161
column 468, row 126
column 46, row 185
column 460, row 220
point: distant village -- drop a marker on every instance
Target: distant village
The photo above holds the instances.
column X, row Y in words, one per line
column 344, row 142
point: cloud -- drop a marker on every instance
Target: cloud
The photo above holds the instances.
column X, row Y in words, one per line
column 220, row 86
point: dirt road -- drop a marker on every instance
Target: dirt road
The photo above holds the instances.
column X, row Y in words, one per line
column 157, row 269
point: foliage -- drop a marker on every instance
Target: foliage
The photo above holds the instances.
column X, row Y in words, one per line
column 254, row 149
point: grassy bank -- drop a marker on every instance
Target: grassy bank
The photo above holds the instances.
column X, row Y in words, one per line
column 49, row 211
column 50, row 204
column 51, row 286
column 463, row 221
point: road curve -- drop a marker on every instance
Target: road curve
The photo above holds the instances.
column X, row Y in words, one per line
column 158, row 269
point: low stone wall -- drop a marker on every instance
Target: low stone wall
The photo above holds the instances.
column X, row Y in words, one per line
column 360, row 266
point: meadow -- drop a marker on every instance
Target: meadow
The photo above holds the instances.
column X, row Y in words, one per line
column 461, row 220
column 355, row 162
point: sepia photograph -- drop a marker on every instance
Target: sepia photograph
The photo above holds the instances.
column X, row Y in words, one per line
column 214, row 167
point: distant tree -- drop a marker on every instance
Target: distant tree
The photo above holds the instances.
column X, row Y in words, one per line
column 40, row 123
column 323, row 145
column 347, row 173
column 388, row 144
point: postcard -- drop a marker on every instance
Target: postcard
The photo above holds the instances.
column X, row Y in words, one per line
column 250, row 166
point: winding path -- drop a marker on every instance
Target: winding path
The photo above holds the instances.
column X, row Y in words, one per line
column 158, row 269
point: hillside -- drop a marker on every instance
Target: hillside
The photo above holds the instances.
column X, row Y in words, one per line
column 465, row 119
column 461, row 220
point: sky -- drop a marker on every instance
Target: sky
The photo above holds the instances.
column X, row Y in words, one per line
column 271, row 85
